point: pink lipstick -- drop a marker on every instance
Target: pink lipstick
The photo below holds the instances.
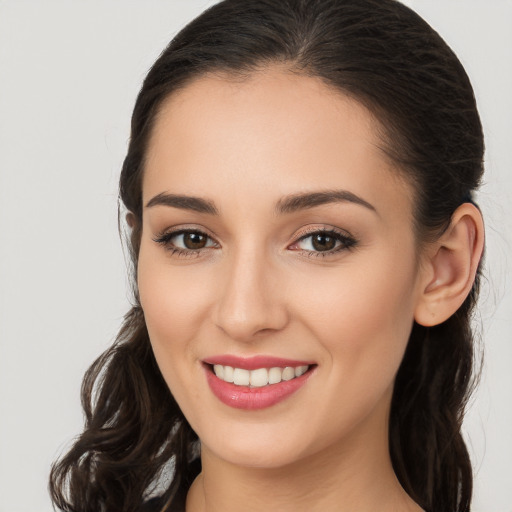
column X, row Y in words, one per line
column 255, row 382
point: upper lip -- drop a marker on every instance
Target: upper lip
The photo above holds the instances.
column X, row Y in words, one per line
column 254, row 362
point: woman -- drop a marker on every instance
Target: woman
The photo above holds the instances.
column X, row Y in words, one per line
column 305, row 256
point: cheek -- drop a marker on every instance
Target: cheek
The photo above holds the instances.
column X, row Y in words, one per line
column 363, row 315
column 171, row 306
column 172, row 298
column 174, row 303
column 363, row 321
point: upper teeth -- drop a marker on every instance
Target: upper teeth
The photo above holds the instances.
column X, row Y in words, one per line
column 257, row 378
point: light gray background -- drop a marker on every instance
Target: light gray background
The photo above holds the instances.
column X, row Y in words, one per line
column 69, row 74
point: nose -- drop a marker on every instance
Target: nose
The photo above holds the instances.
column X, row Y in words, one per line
column 250, row 301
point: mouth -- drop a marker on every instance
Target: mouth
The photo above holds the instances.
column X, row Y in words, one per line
column 259, row 377
column 255, row 383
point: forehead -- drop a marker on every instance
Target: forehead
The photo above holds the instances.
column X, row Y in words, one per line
column 273, row 132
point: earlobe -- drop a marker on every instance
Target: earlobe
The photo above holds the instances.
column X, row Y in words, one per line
column 451, row 266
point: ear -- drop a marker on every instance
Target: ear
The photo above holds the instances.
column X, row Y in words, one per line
column 449, row 267
column 130, row 219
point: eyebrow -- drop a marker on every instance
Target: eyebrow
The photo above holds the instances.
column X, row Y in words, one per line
column 288, row 204
column 196, row 204
column 307, row 200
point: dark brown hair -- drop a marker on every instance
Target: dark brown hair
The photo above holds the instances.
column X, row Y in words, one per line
column 136, row 441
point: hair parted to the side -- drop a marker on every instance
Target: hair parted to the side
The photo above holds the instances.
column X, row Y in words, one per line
column 385, row 56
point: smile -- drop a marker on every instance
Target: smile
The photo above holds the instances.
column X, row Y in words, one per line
column 259, row 377
column 257, row 382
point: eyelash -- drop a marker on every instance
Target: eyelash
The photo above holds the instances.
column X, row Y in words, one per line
column 346, row 242
column 165, row 238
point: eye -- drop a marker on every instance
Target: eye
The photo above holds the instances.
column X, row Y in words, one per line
column 323, row 242
column 185, row 242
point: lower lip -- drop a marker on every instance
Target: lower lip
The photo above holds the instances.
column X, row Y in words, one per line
column 244, row 397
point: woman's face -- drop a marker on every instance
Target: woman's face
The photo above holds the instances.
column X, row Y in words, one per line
column 276, row 234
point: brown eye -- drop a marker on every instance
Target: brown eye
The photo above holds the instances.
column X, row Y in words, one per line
column 186, row 241
column 194, row 240
column 323, row 242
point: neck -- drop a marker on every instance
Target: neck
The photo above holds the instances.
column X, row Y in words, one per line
column 354, row 475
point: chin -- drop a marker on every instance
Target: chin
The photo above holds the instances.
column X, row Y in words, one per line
column 254, row 451
column 257, row 459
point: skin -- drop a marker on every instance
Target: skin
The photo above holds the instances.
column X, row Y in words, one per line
column 257, row 288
